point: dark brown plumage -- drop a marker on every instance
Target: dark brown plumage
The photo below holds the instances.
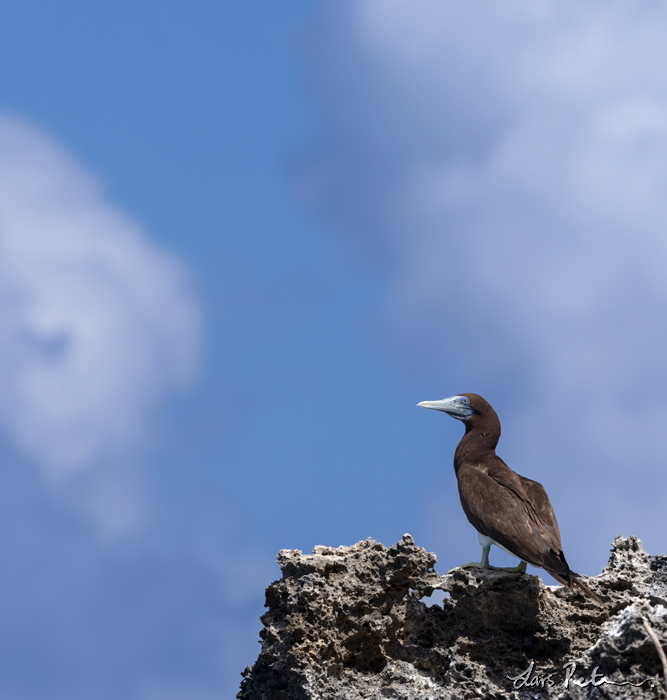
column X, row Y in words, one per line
column 512, row 511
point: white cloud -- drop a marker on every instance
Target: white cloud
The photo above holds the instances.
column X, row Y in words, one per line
column 521, row 151
column 97, row 324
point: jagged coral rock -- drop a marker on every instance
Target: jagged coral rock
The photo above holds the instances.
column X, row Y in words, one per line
column 349, row 623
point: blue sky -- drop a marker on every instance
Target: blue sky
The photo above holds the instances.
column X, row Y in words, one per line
column 241, row 242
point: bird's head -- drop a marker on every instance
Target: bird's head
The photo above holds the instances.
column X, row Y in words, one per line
column 469, row 408
column 458, row 406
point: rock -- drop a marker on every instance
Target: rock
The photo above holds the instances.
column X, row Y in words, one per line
column 349, row 623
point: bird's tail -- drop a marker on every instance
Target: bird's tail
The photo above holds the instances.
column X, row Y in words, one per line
column 573, row 582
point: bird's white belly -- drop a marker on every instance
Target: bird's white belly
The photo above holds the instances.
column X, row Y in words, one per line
column 486, row 541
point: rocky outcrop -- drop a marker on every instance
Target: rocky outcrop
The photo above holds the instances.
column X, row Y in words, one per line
column 350, row 623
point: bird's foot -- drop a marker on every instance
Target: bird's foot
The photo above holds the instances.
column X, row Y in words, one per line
column 520, row 569
column 470, row 564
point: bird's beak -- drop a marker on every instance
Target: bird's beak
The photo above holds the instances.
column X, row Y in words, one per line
column 455, row 406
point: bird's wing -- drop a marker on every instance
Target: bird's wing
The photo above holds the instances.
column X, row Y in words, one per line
column 538, row 498
column 514, row 512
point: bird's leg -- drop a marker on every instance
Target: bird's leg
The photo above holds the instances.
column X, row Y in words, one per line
column 485, row 557
column 484, row 564
column 521, row 568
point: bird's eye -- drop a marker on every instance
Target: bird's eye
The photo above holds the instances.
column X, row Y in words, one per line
column 466, row 400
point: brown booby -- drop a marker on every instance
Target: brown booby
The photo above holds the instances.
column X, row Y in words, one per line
column 506, row 509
